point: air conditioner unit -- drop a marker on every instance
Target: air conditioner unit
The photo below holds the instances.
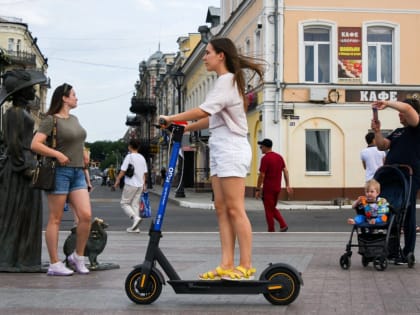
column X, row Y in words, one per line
column 318, row 94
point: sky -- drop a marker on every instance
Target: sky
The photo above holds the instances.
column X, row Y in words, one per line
column 97, row 45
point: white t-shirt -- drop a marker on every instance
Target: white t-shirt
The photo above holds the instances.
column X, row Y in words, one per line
column 140, row 168
column 226, row 106
column 373, row 159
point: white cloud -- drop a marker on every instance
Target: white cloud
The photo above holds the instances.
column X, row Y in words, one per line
column 148, row 5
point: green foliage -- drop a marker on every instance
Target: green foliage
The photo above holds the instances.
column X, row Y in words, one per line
column 107, row 152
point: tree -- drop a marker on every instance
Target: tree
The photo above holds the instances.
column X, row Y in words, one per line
column 107, row 152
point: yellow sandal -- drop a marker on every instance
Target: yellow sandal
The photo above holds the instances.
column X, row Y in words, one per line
column 215, row 274
column 240, row 273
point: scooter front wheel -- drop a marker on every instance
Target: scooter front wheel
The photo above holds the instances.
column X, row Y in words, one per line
column 290, row 285
column 140, row 292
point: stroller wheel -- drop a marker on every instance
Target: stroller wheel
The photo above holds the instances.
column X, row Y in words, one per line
column 345, row 261
column 365, row 261
column 380, row 263
column 410, row 260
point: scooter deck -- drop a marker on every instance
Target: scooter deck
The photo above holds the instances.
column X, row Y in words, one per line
column 223, row 286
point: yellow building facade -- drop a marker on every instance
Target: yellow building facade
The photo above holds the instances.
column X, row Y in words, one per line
column 326, row 61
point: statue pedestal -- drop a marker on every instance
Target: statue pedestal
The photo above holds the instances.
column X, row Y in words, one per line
column 31, row 269
column 98, row 267
column 103, row 266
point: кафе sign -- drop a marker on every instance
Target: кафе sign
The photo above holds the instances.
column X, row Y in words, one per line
column 376, row 95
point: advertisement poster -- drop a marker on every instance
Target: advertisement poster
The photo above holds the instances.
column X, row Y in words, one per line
column 349, row 54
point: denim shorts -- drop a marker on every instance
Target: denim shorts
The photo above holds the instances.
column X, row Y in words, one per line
column 68, row 179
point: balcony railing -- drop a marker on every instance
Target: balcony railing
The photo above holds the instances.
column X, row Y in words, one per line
column 21, row 57
column 133, row 121
column 143, row 106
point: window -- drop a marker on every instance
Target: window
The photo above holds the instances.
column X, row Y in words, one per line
column 317, row 54
column 247, row 47
column 258, row 44
column 381, row 53
column 11, row 44
column 247, row 72
column 317, row 150
column 258, row 54
column 379, row 41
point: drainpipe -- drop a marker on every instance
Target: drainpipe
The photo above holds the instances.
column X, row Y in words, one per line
column 276, row 64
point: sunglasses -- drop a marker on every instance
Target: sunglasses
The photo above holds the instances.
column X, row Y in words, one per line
column 66, row 88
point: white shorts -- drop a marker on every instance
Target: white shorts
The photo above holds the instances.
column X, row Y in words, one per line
column 230, row 154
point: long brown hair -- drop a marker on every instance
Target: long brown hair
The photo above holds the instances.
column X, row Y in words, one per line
column 57, row 98
column 236, row 62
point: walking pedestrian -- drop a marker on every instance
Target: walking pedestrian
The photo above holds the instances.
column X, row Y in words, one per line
column 111, row 177
column 371, row 157
column 224, row 113
column 133, row 185
column 162, row 175
column 272, row 167
column 70, row 181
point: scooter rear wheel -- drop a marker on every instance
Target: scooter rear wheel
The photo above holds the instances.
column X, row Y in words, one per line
column 142, row 295
column 289, row 282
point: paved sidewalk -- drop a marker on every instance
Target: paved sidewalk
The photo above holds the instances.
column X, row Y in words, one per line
column 327, row 288
column 203, row 200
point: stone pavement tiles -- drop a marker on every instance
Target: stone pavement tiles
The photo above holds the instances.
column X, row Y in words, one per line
column 327, row 288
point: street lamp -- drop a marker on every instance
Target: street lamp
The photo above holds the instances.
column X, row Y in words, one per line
column 149, row 159
column 178, row 79
column 205, row 33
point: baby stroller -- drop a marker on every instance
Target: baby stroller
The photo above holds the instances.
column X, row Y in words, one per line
column 380, row 243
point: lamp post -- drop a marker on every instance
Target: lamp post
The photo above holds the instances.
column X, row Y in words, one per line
column 205, row 33
column 178, row 79
column 149, row 159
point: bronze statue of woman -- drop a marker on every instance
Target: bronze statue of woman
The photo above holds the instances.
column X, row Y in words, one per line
column 20, row 205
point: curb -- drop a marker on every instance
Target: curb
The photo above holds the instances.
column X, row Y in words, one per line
column 197, row 205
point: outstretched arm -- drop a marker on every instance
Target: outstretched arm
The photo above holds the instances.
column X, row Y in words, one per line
column 189, row 115
column 198, row 125
column 382, row 143
column 410, row 115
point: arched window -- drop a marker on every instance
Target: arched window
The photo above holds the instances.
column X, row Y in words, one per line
column 317, row 150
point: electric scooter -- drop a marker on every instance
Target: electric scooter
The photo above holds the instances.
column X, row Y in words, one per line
column 279, row 283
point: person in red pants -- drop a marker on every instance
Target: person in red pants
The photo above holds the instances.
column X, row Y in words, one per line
column 271, row 169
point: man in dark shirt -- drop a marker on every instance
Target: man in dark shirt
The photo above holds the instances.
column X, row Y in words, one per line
column 271, row 169
column 404, row 148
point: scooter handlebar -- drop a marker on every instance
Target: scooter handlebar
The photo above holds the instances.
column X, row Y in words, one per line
column 162, row 121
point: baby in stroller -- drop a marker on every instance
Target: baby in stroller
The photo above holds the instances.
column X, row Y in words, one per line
column 370, row 208
column 378, row 222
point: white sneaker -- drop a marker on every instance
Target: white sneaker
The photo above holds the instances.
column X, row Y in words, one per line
column 59, row 269
column 130, row 230
column 136, row 223
column 78, row 264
